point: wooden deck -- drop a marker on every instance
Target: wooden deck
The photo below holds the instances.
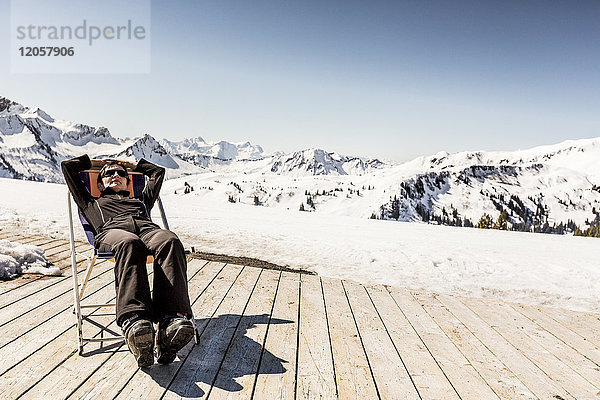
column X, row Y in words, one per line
column 267, row 334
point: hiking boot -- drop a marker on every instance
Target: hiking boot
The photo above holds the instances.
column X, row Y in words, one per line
column 173, row 334
column 139, row 335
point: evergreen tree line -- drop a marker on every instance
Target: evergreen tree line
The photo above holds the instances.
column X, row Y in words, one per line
column 592, row 231
column 514, row 210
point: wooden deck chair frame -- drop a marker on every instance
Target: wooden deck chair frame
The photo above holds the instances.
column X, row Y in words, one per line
column 79, row 289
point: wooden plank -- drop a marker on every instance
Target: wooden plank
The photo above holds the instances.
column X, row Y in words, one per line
column 74, row 371
column 315, row 375
column 515, row 334
column 57, row 314
column 44, row 362
column 352, row 371
column 69, row 371
column 121, row 367
column 429, row 379
column 33, row 287
column 56, row 294
column 25, row 239
column 56, row 247
column 28, row 239
column 27, row 335
column 536, row 380
column 572, row 339
column 464, row 377
column 281, row 341
column 575, row 371
column 199, row 370
column 43, row 242
column 236, row 376
column 391, row 377
column 153, row 385
column 587, row 325
column 5, row 234
column 502, row 380
column 12, row 236
column 30, row 335
column 62, row 258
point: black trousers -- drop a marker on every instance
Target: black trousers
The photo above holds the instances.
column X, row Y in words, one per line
column 170, row 291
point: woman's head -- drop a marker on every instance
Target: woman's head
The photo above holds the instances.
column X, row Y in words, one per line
column 113, row 175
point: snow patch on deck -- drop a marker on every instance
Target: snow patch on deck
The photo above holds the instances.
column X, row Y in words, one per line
column 17, row 259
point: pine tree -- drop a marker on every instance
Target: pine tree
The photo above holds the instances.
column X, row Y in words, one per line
column 502, row 222
column 395, row 213
column 485, row 222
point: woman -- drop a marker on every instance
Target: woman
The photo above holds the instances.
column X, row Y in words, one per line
column 123, row 227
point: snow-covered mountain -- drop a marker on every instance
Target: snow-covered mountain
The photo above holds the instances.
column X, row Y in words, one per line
column 8, row 107
column 547, row 188
column 319, row 162
column 33, row 144
column 222, row 150
column 542, row 187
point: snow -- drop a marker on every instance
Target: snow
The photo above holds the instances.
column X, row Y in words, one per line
column 577, row 155
column 17, row 258
column 23, row 139
column 556, row 270
column 560, row 180
column 222, row 150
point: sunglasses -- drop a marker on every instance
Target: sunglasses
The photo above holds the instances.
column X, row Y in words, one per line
column 111, row 172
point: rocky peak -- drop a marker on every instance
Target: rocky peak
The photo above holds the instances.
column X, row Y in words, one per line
column 8, row 107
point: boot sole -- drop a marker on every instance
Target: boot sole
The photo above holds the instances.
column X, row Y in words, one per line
column 143, row 341
column 180, row 338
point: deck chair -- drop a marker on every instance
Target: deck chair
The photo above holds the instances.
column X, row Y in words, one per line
column 136, row 187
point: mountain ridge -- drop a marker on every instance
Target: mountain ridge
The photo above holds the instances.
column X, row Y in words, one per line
column 545, row 188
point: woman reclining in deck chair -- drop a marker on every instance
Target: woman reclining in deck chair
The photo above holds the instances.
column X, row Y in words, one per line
column 123, row 227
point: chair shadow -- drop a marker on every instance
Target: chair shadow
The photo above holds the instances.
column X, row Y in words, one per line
column 201, row 363
column 103, row 331
column 116, row 346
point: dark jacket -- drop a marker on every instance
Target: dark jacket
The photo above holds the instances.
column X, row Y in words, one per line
column 114, row 210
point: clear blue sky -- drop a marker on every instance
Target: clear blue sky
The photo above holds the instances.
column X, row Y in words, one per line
column 383, row 79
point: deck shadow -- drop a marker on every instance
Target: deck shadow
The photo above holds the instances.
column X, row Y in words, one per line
column 203, row 363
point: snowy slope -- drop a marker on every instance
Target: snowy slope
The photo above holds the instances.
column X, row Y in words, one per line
column 578, row 155
column 556, row 270
column 544, row 184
